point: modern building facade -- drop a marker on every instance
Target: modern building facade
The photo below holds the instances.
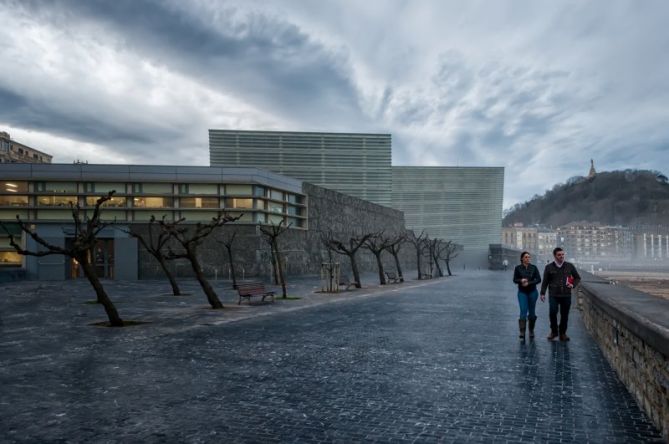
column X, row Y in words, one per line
column 462, row 204
column 12, row 151
column 355, row 164
column 42, row 194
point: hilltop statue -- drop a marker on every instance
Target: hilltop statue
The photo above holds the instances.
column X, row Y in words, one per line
column 592, row 172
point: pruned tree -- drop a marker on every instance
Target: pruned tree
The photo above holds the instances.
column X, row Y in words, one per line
column 154, row 243
column 377, row 244
column 272, row 233
column 437, row 247
column 419, row 244
column 395, row 243
column 348, row 248
column 81, row 249
column 450, row 252
column 190, row 238
column 228, row 241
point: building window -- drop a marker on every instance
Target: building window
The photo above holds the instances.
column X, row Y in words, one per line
column 115, row 201
column 238, row 203
column 14, row 187
column 152, row 188
column 56, row 201
column 198, row 188
column 152, row 202
column 56, row 187
column 14, row 201
column 238, row 190
column 198, row 202
column 276, row 194
column 259, row 191
column 274, row 207
column 10, row 258
column 104, row 187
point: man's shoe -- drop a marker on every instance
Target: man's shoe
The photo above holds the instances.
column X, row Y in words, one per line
column 564, row 337
column 552, row 336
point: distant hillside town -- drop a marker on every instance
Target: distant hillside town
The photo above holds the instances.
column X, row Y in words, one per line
column 598, row 218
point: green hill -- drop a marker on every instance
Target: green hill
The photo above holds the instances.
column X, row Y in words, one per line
column 627, row 197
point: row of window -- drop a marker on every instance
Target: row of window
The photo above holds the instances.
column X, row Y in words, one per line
column 204, row 189
column 153, row 202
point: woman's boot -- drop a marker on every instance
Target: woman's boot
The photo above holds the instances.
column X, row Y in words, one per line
column 533, row 320
column 521, row 326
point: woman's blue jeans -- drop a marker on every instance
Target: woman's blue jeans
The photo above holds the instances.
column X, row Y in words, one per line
column 527, row 303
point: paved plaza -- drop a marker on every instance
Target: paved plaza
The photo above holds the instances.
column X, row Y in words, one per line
column 423, row 361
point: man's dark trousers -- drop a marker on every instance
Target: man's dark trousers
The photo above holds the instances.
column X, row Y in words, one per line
column 561, row 303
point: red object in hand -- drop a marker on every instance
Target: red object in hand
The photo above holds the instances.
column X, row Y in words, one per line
column 570, row 281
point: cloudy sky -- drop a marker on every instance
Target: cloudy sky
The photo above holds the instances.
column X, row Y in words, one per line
column 536, row 86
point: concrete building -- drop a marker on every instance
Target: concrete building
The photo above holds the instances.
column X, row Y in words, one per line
column 539, row 241
column 12, row 151
column 353, row 164
column 463, row 204
column 42, row 194
column 588, row 242
column 460, row 204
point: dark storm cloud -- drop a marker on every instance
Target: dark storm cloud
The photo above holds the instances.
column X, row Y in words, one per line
column 42, row 116
column 270, row 62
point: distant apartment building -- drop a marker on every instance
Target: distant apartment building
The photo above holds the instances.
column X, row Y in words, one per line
column 12, row 151
column 539, row 241
column 588, row 241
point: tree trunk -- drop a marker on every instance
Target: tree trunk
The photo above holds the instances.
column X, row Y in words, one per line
column 212, row 297
column 354, row 268
column 114, row 318
column 173, row 282
column 440, row 273
column 279, row 267
column 379, row 264
column 232, row 267
column 275, row 274
column 418, row 255
column 448, row 268
column 399, row 268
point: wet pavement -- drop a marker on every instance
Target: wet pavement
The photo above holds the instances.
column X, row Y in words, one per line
column 423, row 361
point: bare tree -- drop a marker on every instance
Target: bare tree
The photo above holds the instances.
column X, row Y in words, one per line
column 80, row 249
column 376, row 243
column 395, row 244
column 228, row 241
column 154, row 243
column 348, row 248
column 272, row 233
column 437, row 247
column 190, row 238
column 419, row 244
column 450, row 252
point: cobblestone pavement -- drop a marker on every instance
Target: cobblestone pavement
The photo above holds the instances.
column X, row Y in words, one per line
column 432, row 361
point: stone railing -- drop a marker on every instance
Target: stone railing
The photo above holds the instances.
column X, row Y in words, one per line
column 632, row 329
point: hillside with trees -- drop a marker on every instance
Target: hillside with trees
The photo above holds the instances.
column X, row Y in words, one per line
column 629, row 197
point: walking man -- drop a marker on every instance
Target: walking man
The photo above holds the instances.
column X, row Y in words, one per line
column 560, row 277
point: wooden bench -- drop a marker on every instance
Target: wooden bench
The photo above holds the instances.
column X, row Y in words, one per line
column 249, row 289
column 391, row 276
column 344, row 281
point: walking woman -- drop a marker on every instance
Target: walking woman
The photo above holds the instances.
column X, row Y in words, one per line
column 527, row 276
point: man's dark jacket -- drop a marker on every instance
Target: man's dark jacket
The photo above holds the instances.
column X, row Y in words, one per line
column 555, row 279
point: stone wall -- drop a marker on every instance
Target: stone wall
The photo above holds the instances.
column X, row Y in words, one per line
column 302, row 250
column 632, row 330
